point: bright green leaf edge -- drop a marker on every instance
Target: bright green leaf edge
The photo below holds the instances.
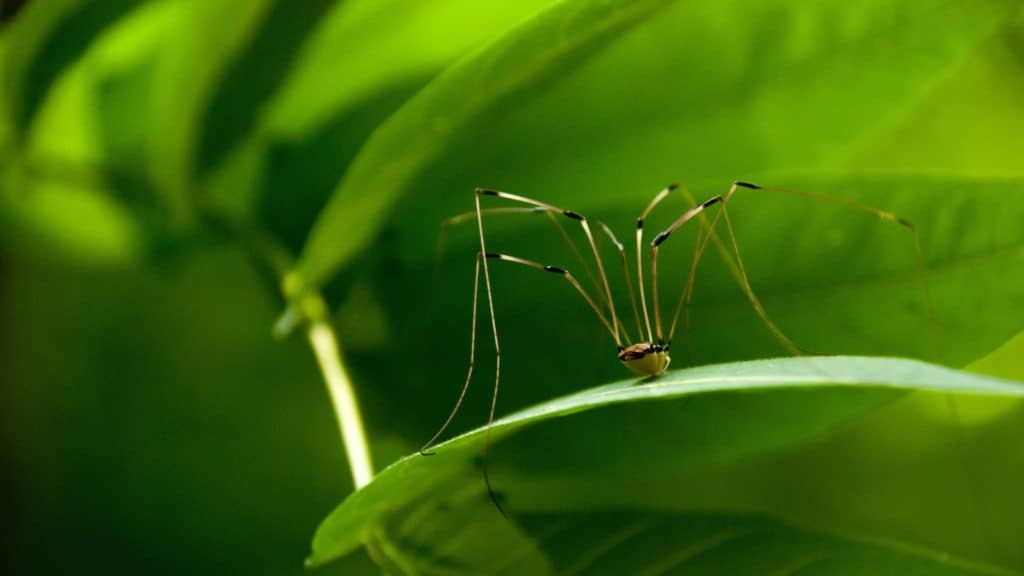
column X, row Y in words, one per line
column 414, row 475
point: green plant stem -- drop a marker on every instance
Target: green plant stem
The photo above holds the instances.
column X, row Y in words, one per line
column 276, row 261
column 343, row 396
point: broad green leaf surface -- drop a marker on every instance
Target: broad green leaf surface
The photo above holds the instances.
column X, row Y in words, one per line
column 78, row 141
column 646, row 543
column 1007, row 361
column 972, row 144
column 197, row 78
column 253, row 75
column 656, row 544
column 209, row 36
column 719, row 99
column 381, row 44
column 300, row 128
column 513, row 66
column 841, row 435
column 78, row 160
column 44, row 40
column 76, row 125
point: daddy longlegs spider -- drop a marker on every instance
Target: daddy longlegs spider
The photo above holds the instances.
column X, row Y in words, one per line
column 648, row 357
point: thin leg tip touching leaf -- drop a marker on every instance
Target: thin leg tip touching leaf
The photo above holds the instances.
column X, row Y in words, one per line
column 497, row 498
column 425, row 450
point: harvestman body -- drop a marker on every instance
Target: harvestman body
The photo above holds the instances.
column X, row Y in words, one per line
column 649, row 356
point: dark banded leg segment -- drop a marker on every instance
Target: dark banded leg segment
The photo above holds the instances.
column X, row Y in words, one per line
column 738, row 271
column 656, row 243
column 585, row 225
column 563, row 273
column 482, row 257
column 464, row 217
column 732, row 256
column 640, row 254
column 629, row 282
column 884, row 215
column 575, row 284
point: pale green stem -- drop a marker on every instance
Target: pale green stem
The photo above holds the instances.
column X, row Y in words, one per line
column 343, row 395
column 311, row 307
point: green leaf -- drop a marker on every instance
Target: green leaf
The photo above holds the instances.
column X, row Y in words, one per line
column 1007, row 361
column 510, row 67
column 380, row 46
column 253, row 76
column 652, row 544
column 706, row 92
column 92, row 136
column 291, row 132
column 42, row 42
column 863, row 446
column 208, row 37
column 79, row 157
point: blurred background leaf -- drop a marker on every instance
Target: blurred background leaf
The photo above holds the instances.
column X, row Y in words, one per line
column 510, row 70
column 153, row 152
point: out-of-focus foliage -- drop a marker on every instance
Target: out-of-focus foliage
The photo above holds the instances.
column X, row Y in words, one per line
column 164, row 163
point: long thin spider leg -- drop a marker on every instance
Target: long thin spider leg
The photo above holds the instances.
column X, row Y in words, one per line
column 686, row 298
column 442, row 236
column 497, row 355
column 584, row 223
column 749, row 291
column 575, row 250
column 923, row 274
column 464, row 217
column 885, row 215
column 736, row 262
column 625, row 272
column 482, row 258
column 657, row 241
column 639, row 252
column 565, row 274
column 922, row 270
column 687, row 295
column 494, row 399
column 469, row 372
column 448, row 223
